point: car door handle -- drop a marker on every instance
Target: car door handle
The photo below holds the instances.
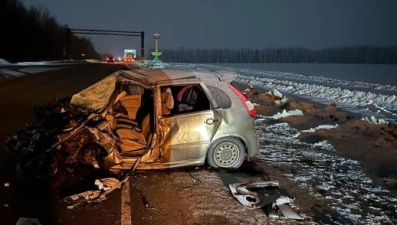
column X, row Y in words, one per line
column 211, row 121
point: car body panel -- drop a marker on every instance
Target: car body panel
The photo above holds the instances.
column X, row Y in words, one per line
column 187, row 136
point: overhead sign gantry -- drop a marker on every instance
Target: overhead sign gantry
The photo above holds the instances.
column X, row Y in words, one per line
column 105, row 32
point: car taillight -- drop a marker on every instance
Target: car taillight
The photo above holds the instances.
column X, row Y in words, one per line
column 246, row 102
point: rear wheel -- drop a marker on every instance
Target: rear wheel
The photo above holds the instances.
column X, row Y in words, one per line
column 226, row 152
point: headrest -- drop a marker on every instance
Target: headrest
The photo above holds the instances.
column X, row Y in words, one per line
column 188, row 94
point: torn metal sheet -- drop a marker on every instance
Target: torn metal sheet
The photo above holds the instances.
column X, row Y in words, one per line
column 105, row 186
column 289, row 212
column 248, row 197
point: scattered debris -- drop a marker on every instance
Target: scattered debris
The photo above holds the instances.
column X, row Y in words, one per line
column 283, row 203
column 105, row 186
column 248, row 197
column 106, row 183
column 28, row 221
column 6, row 184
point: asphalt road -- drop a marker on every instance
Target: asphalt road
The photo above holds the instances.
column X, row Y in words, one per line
column 18, row 97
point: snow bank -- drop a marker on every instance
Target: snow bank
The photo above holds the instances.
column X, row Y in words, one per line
column 374, row 120
column 4, row 62
column 336, row 94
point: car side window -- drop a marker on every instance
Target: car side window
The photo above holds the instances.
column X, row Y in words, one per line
column 220, row 96
column 188, row 98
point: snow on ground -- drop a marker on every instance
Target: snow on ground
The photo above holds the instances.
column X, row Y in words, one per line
column 4, row 62
column 12, row 70
column 325, row 94
column 318, row 168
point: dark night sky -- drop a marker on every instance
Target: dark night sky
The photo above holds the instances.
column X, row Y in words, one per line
column 231, row 24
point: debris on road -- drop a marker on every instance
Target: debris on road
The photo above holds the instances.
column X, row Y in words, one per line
column 106, row 183
column 105, row 186
column 248, row 197
column 283, row 204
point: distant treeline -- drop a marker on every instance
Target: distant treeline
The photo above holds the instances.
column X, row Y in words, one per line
column 32, row 34
column 360, row 54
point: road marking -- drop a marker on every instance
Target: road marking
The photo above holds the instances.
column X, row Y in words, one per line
column 126, row 204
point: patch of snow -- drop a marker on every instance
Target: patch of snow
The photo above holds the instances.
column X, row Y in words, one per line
column 4, row 62
column 320, row 127
column 285, row 113
column 275, row 92
column 324, row 144
column 374, row 120
column 33, row 63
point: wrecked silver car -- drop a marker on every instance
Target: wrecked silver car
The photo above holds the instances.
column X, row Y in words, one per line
column 141, row 119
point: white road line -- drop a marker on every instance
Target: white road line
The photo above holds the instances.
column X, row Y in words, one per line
column 126, row 204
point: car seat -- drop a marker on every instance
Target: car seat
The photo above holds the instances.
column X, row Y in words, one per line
column 167, row 101
column 187, row 97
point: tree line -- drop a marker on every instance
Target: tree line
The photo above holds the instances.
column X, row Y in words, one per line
column 32, row 34
column 359, row 54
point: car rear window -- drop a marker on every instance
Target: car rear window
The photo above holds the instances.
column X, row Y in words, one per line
column 220, row 96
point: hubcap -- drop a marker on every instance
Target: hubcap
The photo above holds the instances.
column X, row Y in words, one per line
column 226, row 154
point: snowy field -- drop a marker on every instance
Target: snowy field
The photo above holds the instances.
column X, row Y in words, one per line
column 357, row 96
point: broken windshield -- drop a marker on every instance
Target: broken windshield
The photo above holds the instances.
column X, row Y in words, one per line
column 96, row 96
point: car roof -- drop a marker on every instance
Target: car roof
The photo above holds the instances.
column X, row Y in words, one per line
column 153, row 76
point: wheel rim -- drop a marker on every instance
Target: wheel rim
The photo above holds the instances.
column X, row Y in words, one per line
column 226, row 154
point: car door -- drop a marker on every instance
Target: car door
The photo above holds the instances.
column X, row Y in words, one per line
column 187, row 134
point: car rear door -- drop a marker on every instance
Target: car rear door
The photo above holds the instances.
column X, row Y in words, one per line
column 187, row 134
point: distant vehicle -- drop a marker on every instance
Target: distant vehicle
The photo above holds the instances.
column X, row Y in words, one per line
column 110, row 59
column 129, row 56
column 140, row 119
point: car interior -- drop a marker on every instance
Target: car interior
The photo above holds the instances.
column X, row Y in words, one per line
column 131, row 116
column 187, row 99
column 131, row 119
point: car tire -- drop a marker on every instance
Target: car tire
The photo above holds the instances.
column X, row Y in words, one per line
column 51, row 175
column 226, row 153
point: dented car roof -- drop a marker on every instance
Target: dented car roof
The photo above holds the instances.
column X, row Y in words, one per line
column 158, row 75
column 96, row 96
